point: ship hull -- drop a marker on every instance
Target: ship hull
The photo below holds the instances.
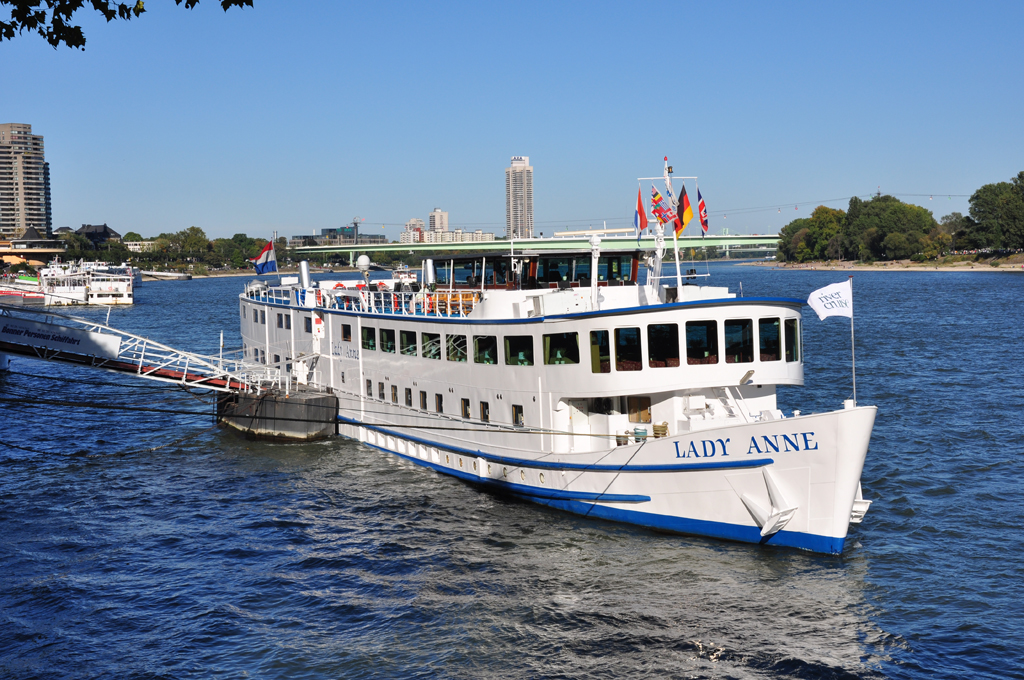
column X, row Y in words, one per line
column 724, row 483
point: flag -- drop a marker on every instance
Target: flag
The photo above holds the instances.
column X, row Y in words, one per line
column 702, row 212
column 266, row 261
column 640, row 215
column 685, row 212
column 661, row 211
column 834, row 300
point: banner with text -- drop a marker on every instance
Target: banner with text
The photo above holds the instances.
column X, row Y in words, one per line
column 52, row 336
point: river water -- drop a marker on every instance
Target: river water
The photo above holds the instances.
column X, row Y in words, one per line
column 144, row 544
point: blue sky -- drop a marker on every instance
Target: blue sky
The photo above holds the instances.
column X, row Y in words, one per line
column 295, row 116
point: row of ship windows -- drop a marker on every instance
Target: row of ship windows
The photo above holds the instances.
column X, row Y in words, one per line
column 638, row 407
column 776, row 339
column 484, row 410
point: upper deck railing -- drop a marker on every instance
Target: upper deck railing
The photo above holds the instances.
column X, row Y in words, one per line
column 446, row 304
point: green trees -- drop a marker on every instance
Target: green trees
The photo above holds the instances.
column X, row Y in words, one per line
column 51, row 19
column 881, row 228
column 996, row 217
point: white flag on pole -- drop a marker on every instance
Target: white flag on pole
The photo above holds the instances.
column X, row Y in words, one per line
column 834, row 300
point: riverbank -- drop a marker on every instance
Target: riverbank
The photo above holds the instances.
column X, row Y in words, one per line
column 1014, row 263
column 249, row 272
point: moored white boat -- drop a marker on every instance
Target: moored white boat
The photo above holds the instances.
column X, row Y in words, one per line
column 567, row 379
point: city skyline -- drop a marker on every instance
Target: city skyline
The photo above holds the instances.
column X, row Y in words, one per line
column 775, row 109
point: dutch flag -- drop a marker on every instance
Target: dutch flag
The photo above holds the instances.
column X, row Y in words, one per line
column 266, row 261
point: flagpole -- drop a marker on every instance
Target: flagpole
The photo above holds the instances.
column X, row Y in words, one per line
column 853, row 352
column 679, row 276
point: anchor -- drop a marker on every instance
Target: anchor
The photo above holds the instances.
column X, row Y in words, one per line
column 775, row 519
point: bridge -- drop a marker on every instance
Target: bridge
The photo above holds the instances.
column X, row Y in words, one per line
column 750, row 246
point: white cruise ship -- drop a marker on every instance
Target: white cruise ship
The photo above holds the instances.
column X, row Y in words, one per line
column 563, row 379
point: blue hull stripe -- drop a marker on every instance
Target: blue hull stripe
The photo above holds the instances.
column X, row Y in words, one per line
column 531, row 492
column 555, row 465
column 682, row 525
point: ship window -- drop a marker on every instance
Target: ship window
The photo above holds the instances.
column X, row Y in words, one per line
column 380, row 391
column 309, row 324
column 562, row 348
column 456, row 347
column 394, row 394
column 369, row 388
column 408, row 397
column 739, row 341
column 369, row 338
column 263, row 317
column 467, row 411
column 701, row 342
column 663, row 345
column 517, row 415
column 600, row 352
column 768, row 335
column 288, row 322
column 628, row 353
column 431, row 345
column 280, row 320
column 607, row 406
column 423, row 400
column 639, row 409
column 792, row 340
column 519, row 350
column 485, row 349
column 485, row 412
column 615, row 268
column 277, row 359
column 346, row 332
column 243, row 312
column 439, row 403
column 407, row 343
column 387, row 340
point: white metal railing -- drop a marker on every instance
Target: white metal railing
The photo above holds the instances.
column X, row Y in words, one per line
column 440, row 303
column 156, row 361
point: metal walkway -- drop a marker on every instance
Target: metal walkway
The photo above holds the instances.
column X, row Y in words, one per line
column 43, row 334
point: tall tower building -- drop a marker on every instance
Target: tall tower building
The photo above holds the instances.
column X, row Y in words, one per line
column 438, row 220
column 24, row 182
column 519, row 198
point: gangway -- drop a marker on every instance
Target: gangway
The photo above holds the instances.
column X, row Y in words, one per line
column 87, row 343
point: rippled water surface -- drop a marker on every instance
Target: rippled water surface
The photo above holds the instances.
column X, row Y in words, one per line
column 149, row 544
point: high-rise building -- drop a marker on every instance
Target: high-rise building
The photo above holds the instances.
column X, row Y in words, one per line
column 438, row 220
column 24, row 182
column 519, row 198
column 413, row 233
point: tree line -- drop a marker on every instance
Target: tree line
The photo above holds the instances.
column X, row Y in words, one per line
column 885, row 228
column 188, row 246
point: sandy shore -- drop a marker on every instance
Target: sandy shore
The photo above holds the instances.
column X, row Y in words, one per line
column 892, row 267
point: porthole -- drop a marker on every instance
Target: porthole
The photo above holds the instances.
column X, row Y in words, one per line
column 488, row 469
column 522, row 475
column 474, row 466
column 447, row 460
column 542, row 478
column 460, row 462
column 504, row 472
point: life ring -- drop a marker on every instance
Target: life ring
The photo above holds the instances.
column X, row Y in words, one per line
column 338, row 285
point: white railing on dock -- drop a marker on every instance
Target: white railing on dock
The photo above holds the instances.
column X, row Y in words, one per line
column 153, row 360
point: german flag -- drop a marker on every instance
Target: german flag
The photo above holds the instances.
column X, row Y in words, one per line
column 684, row 211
